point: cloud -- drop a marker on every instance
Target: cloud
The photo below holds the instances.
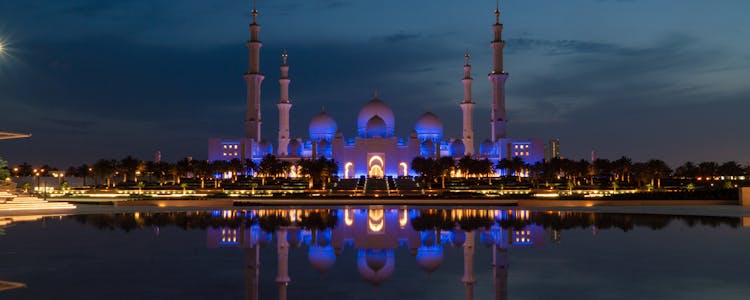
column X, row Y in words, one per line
column 398, row 37
column 69, row 123
column 562, row 47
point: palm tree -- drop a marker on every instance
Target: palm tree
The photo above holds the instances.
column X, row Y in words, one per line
column 687, row 170
column 708, row 169
column 517, row 165
column 269, row 166
column 105, row 169
column 128, row 166
column 318, row 170
column 425, row 168
column 443, row 166
column 730, row 168
column 622, row 168
column 250, row 166
column 236, row 167
column 466, row 165
column 83, row 172
column 202, row 170
column 219, row 167
column 182, row 169
column 660, row 169
column 505, row 165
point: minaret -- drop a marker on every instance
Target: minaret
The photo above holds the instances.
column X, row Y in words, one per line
column 252, row 272
column 500, row 271
column 253, row 78
column 284, row 106
column 282, row 252
column 497, row 79
column 468, row 279
column 467, row 107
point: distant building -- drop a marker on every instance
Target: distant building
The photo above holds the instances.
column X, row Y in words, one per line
column 375, row 151
column 552, row 150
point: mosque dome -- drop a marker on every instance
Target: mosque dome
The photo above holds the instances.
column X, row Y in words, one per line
column 322, row 126
column 372, row 108
column 376, row 127
column 294, row 148
column 486, row 147
column 321, row 258
column 428, row 238
column 294, row 237
column 265, row 147
column 429, row 126
column 427, row 148
column 429, row 259
column 457, row 148
column 458, row 237
column 384, row 259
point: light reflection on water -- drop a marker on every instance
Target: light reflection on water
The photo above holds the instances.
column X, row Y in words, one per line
column 397, row 252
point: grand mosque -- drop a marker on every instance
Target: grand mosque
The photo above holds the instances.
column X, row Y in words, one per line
column 375, row 151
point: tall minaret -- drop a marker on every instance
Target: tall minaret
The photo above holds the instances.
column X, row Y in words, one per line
column 284, row 106
column 497, row 79
column 253, row 78
column 468, row 279
column 282, row 253
column 467, row 107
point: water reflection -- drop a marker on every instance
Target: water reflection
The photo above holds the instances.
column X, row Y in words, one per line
column 375, row 232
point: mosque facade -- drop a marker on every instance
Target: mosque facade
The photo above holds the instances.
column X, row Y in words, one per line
column 375, row 151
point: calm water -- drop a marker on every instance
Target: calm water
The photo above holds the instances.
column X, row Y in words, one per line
column 376, row 253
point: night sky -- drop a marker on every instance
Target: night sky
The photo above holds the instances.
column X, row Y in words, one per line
column 97, row 79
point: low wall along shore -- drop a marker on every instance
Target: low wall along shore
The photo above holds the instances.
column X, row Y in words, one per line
column 745, row 196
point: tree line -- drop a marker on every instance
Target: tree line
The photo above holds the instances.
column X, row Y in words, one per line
column 130, row 170
column 430, row 171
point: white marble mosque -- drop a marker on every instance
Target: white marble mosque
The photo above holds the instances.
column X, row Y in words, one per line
column 374, row 233
column 375, row 151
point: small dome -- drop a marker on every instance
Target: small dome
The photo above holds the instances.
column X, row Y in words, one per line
column 486, row 239
column 486, row 147
column 294, row 237
column 429, row 259
column 322, row 126
column 265, row 147
column 429, row 125
column 294, row 148
column 376, row 127
column 372, row 108
column 457, row 148
column 321, row 258
column 428, row 238
column 376, row 257
column 458, row 237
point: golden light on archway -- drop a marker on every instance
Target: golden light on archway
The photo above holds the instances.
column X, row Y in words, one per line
column 376, row 220
column 346, row 169
column 348, row 217
column 404, row 168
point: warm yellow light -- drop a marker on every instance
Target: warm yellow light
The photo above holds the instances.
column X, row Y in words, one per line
column 348, row 218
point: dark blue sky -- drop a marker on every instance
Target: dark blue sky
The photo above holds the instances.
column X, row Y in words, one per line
column 103, row 79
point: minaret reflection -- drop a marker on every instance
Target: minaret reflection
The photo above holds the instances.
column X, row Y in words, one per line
column 375, row 233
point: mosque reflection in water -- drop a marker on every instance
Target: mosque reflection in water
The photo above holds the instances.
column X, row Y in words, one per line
column 375, row 232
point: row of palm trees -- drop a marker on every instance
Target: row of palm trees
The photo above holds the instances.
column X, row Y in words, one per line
column 321, row 170
column 131, row 170
column 581, row 172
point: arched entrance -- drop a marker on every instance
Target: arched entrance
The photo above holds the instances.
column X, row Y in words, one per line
column 376, row 166
column 375, row 172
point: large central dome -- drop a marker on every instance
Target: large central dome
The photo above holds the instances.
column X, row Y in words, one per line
column 372, row 108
